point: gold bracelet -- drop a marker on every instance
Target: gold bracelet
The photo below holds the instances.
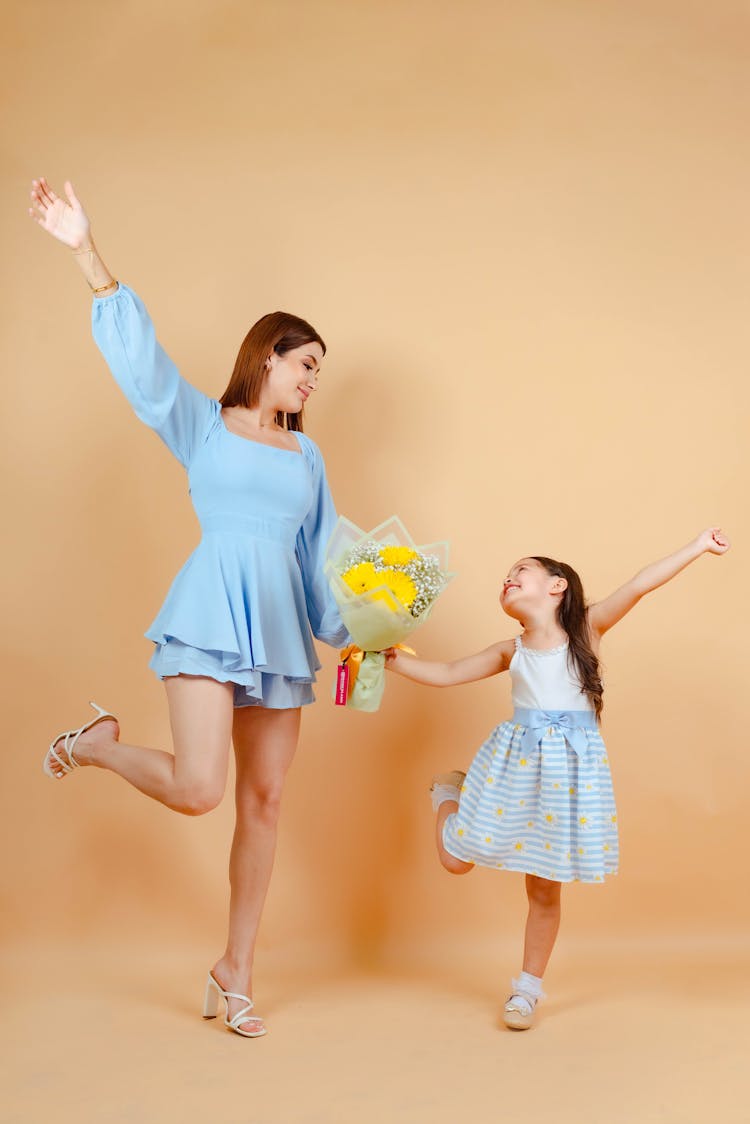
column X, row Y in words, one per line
column 103, row 287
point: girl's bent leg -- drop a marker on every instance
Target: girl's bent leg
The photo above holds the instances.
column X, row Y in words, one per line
column 542, row 923
column 449, row 861
column 265, row 742
column 190, row 780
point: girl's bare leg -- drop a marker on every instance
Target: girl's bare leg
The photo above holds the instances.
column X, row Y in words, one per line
column 542, row 923
column 449, row 861
column 264, row 742
column 190, row 780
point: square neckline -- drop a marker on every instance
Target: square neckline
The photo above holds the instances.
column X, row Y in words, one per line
column 263, row 445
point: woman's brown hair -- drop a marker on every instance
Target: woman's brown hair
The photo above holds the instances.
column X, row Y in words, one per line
column 277, row 331
column 571, row 614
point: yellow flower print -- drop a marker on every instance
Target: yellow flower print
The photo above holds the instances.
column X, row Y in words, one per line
column 522, row 802
column 556, row 785
column 613, row 819
column 548, row 846
column 581, row 851
column 530, row 823
column 572, row 790
column 519, row 846
column 606, row 847
column 490, row 780
column 583, row 821
column 523, row 761
column 499, row 811
column 488, row 838
column 460, row 831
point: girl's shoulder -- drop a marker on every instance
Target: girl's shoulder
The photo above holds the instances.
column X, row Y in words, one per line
column 506, row 649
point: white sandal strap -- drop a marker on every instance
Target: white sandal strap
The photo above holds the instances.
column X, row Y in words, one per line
column 71, row 738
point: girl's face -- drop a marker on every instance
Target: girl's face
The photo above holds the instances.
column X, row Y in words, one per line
column 293, row 377
column 529, row 588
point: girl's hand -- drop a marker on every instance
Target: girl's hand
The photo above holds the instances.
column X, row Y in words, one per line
column 713, row 541
column 68, row 222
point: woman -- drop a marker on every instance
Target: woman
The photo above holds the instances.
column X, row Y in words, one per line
column 233, row 639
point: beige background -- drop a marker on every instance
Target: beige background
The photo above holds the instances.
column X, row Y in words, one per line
column 520, row 228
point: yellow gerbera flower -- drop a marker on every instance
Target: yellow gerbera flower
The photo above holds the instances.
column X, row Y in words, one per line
column 362, row 577
column 400, row 585
column 397, row 555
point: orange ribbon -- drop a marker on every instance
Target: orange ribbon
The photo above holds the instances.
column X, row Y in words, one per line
column 353, row 656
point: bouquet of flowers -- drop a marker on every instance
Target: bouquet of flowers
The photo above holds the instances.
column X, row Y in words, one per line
column 385, row 587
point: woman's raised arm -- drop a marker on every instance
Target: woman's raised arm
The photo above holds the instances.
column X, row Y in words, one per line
column 69, row 224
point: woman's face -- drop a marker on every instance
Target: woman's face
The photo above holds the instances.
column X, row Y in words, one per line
column 528, row 587
column 293, row 377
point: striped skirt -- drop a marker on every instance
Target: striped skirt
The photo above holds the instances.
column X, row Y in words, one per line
column 538, row 798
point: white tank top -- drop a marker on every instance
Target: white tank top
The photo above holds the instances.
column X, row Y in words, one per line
column 542, row 680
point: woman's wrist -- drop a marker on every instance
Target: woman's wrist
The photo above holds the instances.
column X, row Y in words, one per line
column 98, row 278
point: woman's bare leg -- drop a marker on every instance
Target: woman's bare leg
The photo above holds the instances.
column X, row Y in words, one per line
column 265, row 742
column 190, row 780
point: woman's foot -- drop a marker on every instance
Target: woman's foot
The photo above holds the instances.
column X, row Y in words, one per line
column 81, row 750
column 231, row 979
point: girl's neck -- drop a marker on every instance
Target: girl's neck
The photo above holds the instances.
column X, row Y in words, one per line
column 543, row 633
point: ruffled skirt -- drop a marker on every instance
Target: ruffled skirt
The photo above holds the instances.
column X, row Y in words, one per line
column 548, row 811
column 236, row 613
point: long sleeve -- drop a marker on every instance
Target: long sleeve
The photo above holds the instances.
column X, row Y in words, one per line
column 176, row 410
column 312, row 540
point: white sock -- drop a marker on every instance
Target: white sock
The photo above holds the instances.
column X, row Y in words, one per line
column 442, row 792
column 526, row 986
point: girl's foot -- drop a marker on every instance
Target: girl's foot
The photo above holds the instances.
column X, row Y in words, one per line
column 240, row 983
column 520, row 1008
column 446, row 786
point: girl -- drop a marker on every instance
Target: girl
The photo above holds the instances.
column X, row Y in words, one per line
column 538, row 795
column 233, row 638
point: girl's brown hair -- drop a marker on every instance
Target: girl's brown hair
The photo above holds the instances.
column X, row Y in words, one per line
column 277, row 331
column 571, row 614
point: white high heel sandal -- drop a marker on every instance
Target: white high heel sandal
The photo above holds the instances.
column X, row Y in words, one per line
column 211, row 1002
column 71, row 737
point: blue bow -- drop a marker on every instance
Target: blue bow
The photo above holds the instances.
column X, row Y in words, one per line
column 571, row 724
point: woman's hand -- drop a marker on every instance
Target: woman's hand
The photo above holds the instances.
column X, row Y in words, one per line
column 712, row 541
column 66, row 221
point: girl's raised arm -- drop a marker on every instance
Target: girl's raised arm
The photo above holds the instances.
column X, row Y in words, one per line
column 608, row 612
column 492, row 660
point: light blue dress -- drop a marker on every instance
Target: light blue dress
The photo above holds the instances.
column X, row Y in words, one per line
column 244, row 606
column 538, row 796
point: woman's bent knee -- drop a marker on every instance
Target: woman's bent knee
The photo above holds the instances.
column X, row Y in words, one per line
column 199, row 798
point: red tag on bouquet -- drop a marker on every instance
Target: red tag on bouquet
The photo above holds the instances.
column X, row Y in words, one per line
column 342, row 684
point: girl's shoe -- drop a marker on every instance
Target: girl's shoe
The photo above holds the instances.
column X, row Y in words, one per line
column 71, row 737
column 446, row 786
column 211, row 1002
column 519, row 1010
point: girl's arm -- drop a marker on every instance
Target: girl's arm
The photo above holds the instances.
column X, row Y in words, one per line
column 69, row 224
column 492, row 660
column 613, row 608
